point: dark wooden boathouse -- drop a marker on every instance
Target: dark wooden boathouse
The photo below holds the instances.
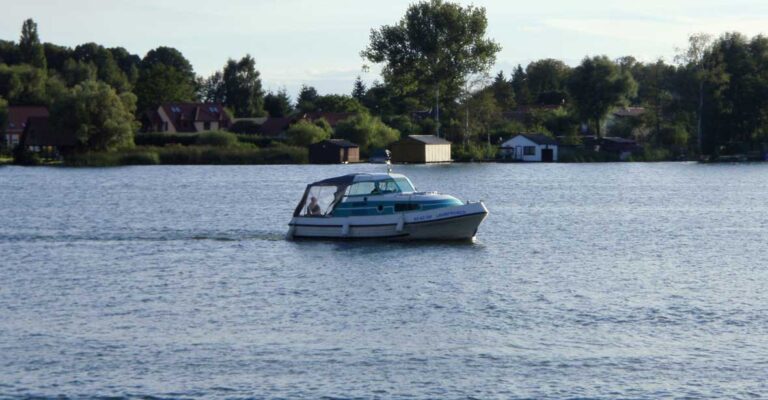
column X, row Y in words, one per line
column 334, row 151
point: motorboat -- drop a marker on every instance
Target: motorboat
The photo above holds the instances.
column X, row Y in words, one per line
column 383, row 206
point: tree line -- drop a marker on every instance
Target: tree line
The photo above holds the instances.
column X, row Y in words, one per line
column 435, row 64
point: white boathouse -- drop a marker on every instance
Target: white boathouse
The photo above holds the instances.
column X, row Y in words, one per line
column 530, row 147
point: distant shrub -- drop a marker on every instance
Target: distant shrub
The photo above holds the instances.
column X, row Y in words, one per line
column 579, row 155
column 653, row 154
column 140, row 158
column 256, row 140
column 216, row 138
column 93, row 159
column 474, row 152
column 163, row 139
column 245, row 127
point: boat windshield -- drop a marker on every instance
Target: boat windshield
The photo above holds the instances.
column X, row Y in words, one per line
column 386, row 186
column 319, row 200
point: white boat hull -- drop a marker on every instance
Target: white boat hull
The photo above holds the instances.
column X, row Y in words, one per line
column 449, row 223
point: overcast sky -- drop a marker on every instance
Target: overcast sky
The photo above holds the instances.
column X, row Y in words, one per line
column 318, row 42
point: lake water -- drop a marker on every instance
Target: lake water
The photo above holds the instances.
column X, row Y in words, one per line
column 623, row 280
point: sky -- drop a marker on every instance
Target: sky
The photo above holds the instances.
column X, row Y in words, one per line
column 318, row 42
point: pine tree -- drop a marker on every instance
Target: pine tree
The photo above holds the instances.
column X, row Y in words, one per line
column 32, row 52
column 358, row 92
column 520, row 86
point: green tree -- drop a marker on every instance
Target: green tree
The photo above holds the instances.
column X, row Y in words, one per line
column 278, row 104
column 482, row 113
column 304, row 133
column 242, row 85
column 159, row 84
column 56, row 56
column 22, row 84
column 169, row 57
column 9, row 52
column 338, row 103
column 366, row 131
column 75, row 72
column 101, row 119
column 211, row 89
column 431, row 51
column 546, row 80
column 307, row 99
column 31, row 50
column 503, row 92
column 693, row 58
column 596, row 86
column 520, row 86
column 358, row 91
column 3, row 120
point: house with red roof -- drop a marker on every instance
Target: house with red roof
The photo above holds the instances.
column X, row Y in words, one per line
column 18, row 116
column 186, row 118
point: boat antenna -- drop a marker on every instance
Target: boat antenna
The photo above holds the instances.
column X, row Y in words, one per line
column 389, row 167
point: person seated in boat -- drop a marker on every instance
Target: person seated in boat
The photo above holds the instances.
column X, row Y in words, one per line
column 313, row 209
column 376, row 189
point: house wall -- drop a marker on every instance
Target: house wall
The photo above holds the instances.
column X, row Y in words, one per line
column 415, row 152
column 353, row 155
column 408, row 152
column 166, row 121
column 438, row 153
column 200, row 126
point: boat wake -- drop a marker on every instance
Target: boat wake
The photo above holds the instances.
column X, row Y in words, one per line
column 145, row 236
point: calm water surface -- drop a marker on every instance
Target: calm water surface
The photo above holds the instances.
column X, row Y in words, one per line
column 589, row 280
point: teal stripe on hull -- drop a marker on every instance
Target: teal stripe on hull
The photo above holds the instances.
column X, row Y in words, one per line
column 362, row 208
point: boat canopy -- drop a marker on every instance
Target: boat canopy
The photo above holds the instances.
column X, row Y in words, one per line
column 321, row 197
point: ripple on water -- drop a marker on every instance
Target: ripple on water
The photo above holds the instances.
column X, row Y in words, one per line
column 586, row 281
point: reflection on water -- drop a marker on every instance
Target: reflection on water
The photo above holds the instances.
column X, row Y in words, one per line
column 586, row 280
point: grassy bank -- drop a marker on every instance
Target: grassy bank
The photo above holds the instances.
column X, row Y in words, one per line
column 190, row 155
column 205, row 148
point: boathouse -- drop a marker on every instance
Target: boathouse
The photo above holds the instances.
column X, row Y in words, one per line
column 334, row 151
column 42, row 138
column 16, row 122
column 530, row 147
column 421, row 149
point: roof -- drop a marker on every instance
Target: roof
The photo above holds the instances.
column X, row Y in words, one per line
column 39, row 132
column 615, row 139
column 428, row 139
column 337, row 143
column 333, row 118
column 351, row 178
column 18, row 116
column 193, row 112
column 537, row 138
column 274, row 126
column 629, row 112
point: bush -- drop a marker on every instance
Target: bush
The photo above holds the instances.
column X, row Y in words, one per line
column 652, row 154
column 579, row 155
column 245, row 127
column 304, row 133
column 163, row 139
column 474, row 152
column 367, row 132
column 217, row 138
column 93, row 159
column 140, row 158
column 257, row 140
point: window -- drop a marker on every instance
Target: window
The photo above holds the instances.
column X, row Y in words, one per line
column 361, row 188
column 400, row 207
column 404, row 185
column 529, row 150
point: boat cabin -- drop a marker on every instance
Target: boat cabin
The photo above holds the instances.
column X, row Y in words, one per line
column 355, row 194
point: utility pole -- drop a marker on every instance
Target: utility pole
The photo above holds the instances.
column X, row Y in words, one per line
column 437, row 108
